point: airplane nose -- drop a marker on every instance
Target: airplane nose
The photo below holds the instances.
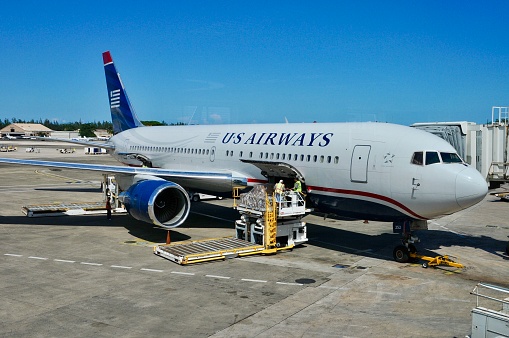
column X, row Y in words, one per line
column 471, row 187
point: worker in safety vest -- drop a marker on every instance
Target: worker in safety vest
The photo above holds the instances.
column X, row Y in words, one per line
column 297, row 186
column 278, row 189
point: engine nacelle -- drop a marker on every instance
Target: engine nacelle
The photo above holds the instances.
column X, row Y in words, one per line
column 159, row 202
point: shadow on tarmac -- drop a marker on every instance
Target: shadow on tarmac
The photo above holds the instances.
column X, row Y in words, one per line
column 376, row 246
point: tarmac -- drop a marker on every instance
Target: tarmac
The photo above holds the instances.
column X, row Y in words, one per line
column 85, row 276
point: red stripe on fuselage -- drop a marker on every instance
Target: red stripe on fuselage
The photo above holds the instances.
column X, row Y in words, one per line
column 366, row 194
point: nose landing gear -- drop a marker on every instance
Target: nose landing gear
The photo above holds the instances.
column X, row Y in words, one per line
column 407, row 251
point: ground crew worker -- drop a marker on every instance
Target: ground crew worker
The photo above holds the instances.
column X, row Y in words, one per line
column 108, row 209
column 278, row 189
column 297, row 186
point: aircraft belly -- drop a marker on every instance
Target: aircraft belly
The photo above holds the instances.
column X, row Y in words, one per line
column 353, row 208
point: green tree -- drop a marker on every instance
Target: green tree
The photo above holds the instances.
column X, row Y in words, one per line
column 87, row 130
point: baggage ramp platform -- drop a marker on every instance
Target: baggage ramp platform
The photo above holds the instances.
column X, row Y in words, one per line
column 207, row 250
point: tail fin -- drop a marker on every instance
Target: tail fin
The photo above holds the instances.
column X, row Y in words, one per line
column 122, row 113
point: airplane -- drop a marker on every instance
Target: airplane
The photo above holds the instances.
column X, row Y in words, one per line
column 367, row 170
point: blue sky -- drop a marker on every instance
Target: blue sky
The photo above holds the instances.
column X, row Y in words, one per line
column 257, row 61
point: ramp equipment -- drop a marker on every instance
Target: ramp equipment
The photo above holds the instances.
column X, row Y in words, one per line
column 109, row 190
column 59, row 209
column 265, row 227
column 207, row 250
column 436, row 261
column 492, row 321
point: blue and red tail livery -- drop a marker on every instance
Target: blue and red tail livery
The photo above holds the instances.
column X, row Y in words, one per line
column 122, row 113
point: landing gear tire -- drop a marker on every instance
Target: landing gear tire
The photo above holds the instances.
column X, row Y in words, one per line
column 401, row 254
column 425, row 265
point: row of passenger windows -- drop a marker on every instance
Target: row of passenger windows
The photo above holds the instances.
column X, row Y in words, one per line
column 288, row 157
column 177, row 150
column 229, row 153
column 430, row 157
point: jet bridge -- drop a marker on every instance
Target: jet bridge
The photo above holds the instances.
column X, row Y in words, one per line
column 265, row 227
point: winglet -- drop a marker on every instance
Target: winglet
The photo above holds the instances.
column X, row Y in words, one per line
column 123, row 116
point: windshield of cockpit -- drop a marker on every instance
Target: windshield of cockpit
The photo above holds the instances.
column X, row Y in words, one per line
column 431, row 157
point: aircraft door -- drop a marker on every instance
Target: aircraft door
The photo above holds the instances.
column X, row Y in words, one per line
column 212, row 155
column 359, row 164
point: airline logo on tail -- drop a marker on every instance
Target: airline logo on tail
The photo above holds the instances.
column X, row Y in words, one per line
column 115, row 98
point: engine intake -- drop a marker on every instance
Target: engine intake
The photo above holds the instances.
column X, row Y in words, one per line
column 160, row 202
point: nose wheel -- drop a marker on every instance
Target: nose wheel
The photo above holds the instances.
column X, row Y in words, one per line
column 402, row 253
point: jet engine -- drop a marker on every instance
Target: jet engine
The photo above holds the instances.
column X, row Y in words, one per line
column 159, row 202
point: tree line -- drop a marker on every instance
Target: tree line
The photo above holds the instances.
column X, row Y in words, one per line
column 86, row 129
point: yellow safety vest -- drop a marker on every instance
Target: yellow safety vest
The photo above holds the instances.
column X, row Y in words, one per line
column 279, row 188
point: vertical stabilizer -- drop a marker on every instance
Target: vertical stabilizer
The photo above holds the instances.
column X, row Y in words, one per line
column 122, row 113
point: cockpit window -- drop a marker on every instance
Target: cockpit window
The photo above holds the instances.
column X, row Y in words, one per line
column 432, row 157
column 450, row 158
column 417, row 158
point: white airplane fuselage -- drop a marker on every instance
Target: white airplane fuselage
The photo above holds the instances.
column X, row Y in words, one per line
column 356, row 170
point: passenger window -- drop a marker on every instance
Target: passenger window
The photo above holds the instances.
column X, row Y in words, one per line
column 336, row 159
column 321, row 159
column 451, row 158
column 432, row 157
column 328, row 159
column 417, row 158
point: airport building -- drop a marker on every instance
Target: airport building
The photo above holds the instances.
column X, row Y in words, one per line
column 25, row 130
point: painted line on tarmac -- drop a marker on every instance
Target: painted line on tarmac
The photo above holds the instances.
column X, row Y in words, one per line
column 183, row 273
column 125, row 267
column 39, row 258
column 253, row 280
column 215, row 276
column 151, row 270
column 121, row 267
column 285, row 283
column 64, row 261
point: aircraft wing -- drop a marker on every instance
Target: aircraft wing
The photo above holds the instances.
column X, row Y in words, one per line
column 106, row 145
column 163, row 173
